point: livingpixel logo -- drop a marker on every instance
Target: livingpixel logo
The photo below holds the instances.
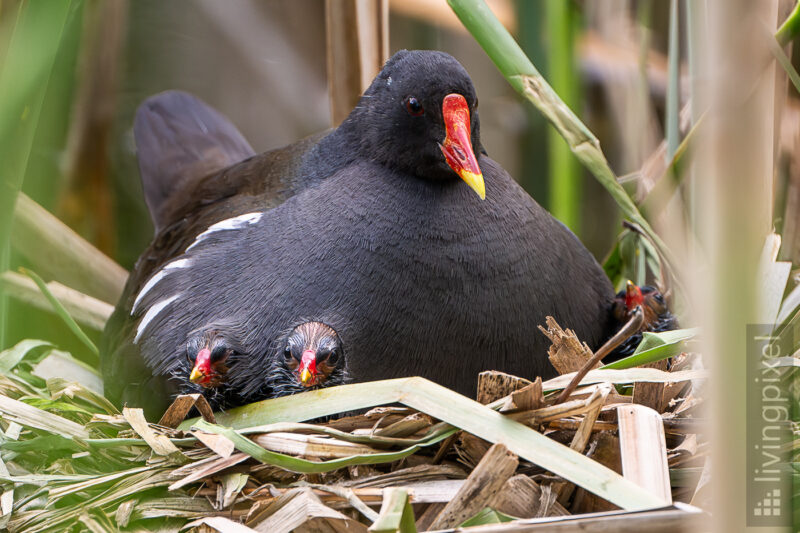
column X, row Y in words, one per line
column 768, row 427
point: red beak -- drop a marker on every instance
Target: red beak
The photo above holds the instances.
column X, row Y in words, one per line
column 308, row 368
column 457, row 145
column 633, row 296
column 201, row 373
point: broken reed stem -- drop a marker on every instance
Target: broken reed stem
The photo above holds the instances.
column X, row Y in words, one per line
column 444, row 448
column 554, row 412
column 633, row 325
column 480, row 488
column 584, row 432
column 348, row 495
column 644, row 450
column 566, row 353
column 180, row 407
column 525, row 498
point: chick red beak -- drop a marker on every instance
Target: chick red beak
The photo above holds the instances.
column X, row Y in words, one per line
column 457, row 145
column 633, row 296
column 201, row 373
column 308, row 368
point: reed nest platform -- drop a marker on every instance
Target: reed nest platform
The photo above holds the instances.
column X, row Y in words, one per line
column 625, row 450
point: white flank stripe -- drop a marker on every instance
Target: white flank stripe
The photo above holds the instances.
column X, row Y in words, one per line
column 236, row 222
column 151, row 314
column 232, row 223
column 152, row 282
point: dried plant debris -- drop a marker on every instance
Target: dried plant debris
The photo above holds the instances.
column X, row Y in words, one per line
column 418, row 458
column 567, row 353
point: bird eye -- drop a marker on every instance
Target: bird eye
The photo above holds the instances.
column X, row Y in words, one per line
column 413, row 107
column 333, row 357
column 287, row 352
column 659, row 298
column 220, row 353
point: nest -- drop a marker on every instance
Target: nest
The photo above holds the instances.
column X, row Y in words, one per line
column 624, row 450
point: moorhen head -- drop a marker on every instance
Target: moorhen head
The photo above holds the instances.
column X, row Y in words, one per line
column 311, row 357
column 210, row 352
column 419, row 116
column 210, row 358
column 657, row 316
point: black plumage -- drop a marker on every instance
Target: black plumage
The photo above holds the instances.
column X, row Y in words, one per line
column 187, row 190
column 370, row 231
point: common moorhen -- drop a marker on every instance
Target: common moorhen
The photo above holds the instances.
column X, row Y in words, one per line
column 309, row 356
column 368, row 229
column 657, row 316
column 312, row 358
column 213, row 356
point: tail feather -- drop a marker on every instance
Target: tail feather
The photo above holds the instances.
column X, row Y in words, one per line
column 180, row 139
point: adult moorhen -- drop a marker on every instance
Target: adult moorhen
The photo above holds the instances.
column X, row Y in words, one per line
column 368, row 229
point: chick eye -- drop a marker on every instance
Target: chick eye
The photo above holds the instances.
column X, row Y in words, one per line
column 220, row 354
column 333, row 357
column 413, row 107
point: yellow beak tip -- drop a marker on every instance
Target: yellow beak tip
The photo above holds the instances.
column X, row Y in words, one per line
column 195, row 376
column 475, row 181
column 305, row 376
